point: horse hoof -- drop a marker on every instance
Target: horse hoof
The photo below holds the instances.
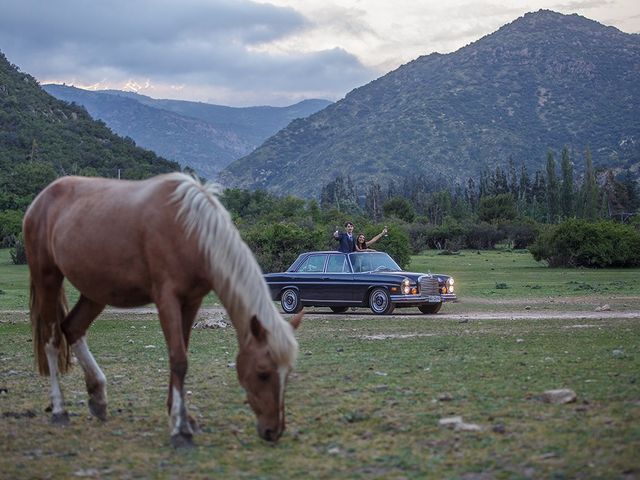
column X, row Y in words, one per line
column 61, row 418
column 98, row 410
column 180, row 440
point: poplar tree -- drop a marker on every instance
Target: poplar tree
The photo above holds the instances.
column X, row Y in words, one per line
column 567, row 194
column 552, row 190
column 589, row 192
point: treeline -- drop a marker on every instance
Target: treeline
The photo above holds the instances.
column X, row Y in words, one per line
column 508, row 205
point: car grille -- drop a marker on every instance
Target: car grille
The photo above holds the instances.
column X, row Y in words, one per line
column 429, row 286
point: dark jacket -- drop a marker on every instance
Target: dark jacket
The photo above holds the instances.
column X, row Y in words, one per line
column 347, row 245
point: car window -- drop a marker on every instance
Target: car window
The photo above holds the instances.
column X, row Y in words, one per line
column 337, row 264
column 369, row 262
column 313, row 263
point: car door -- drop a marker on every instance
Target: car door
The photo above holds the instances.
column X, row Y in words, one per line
column 338, row 280
column 309, row 278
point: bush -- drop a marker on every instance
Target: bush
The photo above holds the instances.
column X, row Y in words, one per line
column 578, row 243
column 276, row 246
column 18, row 254
column 449, row 235
column 396, row 244
column 520, row 233
column 10, row 226
column 482, row 236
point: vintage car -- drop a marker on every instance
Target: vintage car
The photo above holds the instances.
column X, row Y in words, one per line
column 359, row 279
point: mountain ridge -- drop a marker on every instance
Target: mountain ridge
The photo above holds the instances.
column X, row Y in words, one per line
column 205, row 137
column 541, row 82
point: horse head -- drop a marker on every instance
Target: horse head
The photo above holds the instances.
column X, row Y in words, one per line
column 264, row 380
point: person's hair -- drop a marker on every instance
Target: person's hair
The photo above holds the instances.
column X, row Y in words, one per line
column 364, row 242
column 348, row 223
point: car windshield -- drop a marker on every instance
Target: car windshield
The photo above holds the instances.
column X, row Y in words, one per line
column 373, row 262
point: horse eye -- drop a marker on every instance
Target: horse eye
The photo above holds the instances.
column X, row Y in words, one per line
column 263, row 376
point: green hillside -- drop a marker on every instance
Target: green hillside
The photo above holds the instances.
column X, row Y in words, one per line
column 42, row 138
column 203, row 136
column 542, row 82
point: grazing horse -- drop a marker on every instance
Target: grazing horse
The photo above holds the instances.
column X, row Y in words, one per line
column 165, row 240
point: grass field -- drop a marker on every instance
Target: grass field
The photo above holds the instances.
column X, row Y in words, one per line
column 368, row 392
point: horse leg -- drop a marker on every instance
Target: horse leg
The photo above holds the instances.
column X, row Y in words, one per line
column 170, row 314
column 75, row 327
column 189, row 312
column 47, row 310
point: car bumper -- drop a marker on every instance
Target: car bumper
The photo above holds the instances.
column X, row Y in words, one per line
column 423, row 299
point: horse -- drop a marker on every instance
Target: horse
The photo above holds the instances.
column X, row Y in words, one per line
column 166, row 240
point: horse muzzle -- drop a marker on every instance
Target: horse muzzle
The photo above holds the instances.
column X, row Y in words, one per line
column 270, row 433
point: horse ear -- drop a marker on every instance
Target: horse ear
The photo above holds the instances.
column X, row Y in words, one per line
column 297, row 320
column 257, row 330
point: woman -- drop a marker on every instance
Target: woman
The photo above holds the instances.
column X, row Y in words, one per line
column 363, row 246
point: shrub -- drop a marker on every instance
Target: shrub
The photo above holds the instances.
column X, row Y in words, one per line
column 482, row 236
column 396, row 244
column 10, row 225
column 579, row 243
column 276, row 246
column 18, row 254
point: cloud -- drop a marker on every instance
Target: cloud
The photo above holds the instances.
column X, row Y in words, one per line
column 214, row 46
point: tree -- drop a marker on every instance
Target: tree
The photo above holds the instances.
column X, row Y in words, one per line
column 399, row 207
column 566, row 193
column 494, row 208
column 439, row 206
column 589, row 192
column 373, row 201
column 552, row 190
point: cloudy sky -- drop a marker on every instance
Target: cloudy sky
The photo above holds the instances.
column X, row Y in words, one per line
column 243, row 52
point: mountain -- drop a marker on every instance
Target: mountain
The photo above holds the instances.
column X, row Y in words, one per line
column 42, row 138
column 202, row 136
column 544, row 81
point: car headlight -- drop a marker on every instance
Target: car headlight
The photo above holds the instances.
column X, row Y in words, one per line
column 405, row 287
column 450, row 281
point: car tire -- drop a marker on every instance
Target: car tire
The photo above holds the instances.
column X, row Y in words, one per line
column 430, row 309
column 380, row 302
column 339, row 309
column 290, row 301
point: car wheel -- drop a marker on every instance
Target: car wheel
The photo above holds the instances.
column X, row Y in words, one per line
column 430, row 309
column 339, row 309
column 290, row 301
column 380, row 302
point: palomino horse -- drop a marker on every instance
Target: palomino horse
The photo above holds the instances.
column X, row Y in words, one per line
column 165, row 240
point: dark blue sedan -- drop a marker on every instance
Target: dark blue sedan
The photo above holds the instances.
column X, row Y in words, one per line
column 359, row 279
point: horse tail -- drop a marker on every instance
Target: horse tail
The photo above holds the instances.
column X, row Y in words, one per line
column 44, row 332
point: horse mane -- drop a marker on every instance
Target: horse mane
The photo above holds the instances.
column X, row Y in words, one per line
column 231, row 263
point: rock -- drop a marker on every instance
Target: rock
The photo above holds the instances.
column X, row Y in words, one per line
column 456, row 423
column 617, row 353
column 499, row 428
column 559, row 396
column 445, row 397
column 212, row 320
column 603, row 308
column 467, row 427
column 528, row 307
column 450, row 422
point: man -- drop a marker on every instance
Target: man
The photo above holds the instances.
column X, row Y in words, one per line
column 346, row 239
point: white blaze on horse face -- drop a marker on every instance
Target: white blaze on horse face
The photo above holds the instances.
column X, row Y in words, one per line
column 57, row 402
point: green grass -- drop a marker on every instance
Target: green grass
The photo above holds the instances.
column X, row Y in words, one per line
column 515, row 274
column 486, row 276
column 357, row 407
